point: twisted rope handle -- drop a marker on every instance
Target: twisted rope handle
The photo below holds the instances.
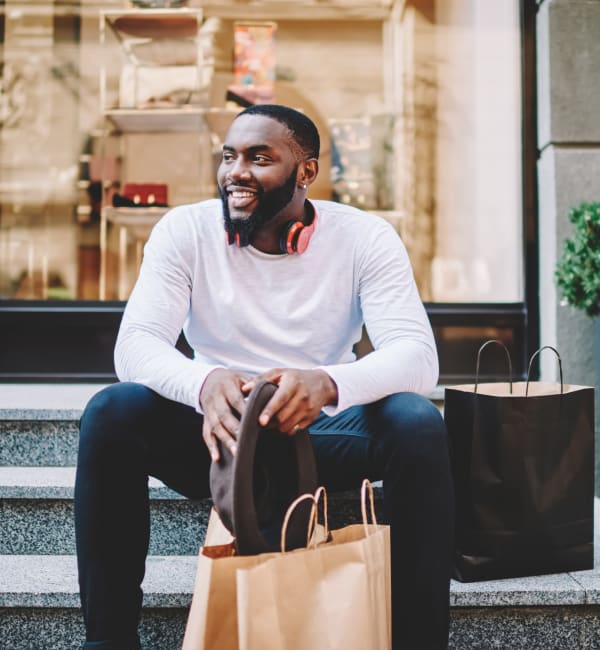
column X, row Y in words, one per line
column 311, row 537
column 367, row 487
column 321, row 491
column 311, row 521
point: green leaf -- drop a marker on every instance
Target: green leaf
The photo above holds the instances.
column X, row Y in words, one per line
column 577, row 271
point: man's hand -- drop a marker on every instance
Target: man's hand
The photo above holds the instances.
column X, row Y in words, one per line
column 222, row 392
column 298, row 400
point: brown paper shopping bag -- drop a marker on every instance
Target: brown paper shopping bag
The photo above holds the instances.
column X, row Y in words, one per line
column 331, row 596
column 212, row 620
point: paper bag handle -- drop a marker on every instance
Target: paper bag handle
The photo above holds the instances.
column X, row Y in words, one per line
column 534, row 355
column 367, row 487
column 313, row 519
column 510, row 372
column 321, row 491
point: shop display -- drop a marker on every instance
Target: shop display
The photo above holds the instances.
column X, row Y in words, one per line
column 165, row 63
column 152, row 102
column 362, row 161
column 151, row 193
column 141, row 195
column 171, row 72
column 254, row 63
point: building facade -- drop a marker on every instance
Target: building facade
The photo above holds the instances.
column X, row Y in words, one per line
column 427, row 109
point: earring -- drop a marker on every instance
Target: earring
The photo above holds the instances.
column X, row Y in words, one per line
column 303, row 186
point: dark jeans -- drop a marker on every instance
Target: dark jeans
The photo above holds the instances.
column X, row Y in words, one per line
column 128, row 433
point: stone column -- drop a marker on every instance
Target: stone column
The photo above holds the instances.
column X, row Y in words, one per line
column 568, row 69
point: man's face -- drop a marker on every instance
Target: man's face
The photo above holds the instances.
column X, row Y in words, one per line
column 257, row 176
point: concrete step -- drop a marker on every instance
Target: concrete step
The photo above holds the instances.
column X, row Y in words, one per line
column 36, row 513
column 39, row 607
column 39, row 602
column 39, row 423
column 39, row 442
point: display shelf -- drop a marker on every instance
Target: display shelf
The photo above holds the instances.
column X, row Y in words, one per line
column 154, row 84
column 301, row 9
column 138, row 221
column 154, row 23
column 187, row 118
column 133, row 226
column 153, row 42
column 136, row 120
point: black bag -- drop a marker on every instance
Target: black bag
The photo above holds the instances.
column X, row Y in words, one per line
column 523, row 466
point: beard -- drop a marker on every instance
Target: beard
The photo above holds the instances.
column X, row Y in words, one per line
column 270, row 204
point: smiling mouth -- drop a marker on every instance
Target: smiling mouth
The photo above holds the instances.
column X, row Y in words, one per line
column 240, row 198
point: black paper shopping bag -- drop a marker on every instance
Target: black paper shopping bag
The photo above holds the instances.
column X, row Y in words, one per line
column 523, row 467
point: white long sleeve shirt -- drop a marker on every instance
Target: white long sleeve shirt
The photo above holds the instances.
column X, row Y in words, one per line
column 241, row 308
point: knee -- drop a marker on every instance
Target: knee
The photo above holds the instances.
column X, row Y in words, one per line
column 113, row 415
column 412, row 429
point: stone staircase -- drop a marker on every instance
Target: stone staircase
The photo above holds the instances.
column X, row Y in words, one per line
column 39, row 602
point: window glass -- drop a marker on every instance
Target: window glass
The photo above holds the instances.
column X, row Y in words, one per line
column 109, row 113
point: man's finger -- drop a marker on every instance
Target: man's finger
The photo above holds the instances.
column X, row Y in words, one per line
column 248, row 385
column 274, row 375
column 226, row 438
column 229, row 423
column 291, row 412
column 211, row 444
column 235, row 401
column 281, row 397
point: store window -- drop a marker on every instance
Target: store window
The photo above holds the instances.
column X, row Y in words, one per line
column 111, row 113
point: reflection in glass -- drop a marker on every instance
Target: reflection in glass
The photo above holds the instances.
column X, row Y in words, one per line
column 418, row 104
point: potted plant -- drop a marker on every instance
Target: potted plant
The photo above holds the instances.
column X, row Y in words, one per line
column 578, row 268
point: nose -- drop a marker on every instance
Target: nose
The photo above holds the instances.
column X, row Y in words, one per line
column 238, row 170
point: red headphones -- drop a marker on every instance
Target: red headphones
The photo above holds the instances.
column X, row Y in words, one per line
column 294, row 238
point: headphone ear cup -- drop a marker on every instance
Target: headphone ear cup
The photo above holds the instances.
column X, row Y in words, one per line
column 303, row 238
column 289, row 237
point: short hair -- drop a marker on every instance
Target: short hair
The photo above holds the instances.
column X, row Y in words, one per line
column 302, row 128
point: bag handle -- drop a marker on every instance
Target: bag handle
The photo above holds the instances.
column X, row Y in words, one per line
column 321, row 491
column 311, row 541
column 311, row 538
column 367, row 487
column 510, row 372
column 534, row 355
column 290, row 512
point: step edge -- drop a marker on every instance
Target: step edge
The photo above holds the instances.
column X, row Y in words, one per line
column 41, row 414
column 57, row 482
column 170, row 579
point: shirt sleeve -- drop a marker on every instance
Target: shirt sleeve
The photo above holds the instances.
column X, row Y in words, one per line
column 404, row 358
column 159, row 304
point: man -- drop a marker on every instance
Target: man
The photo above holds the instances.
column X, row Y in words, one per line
column 268, row 284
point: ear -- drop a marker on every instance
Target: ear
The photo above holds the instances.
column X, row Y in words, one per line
column 307, row 171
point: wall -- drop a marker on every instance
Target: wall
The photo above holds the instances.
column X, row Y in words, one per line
column 568, row 54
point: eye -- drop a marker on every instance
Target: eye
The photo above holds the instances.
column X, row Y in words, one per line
column 227, row 156
column 261, row 159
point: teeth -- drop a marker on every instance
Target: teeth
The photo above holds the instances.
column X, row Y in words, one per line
column 241, row 195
